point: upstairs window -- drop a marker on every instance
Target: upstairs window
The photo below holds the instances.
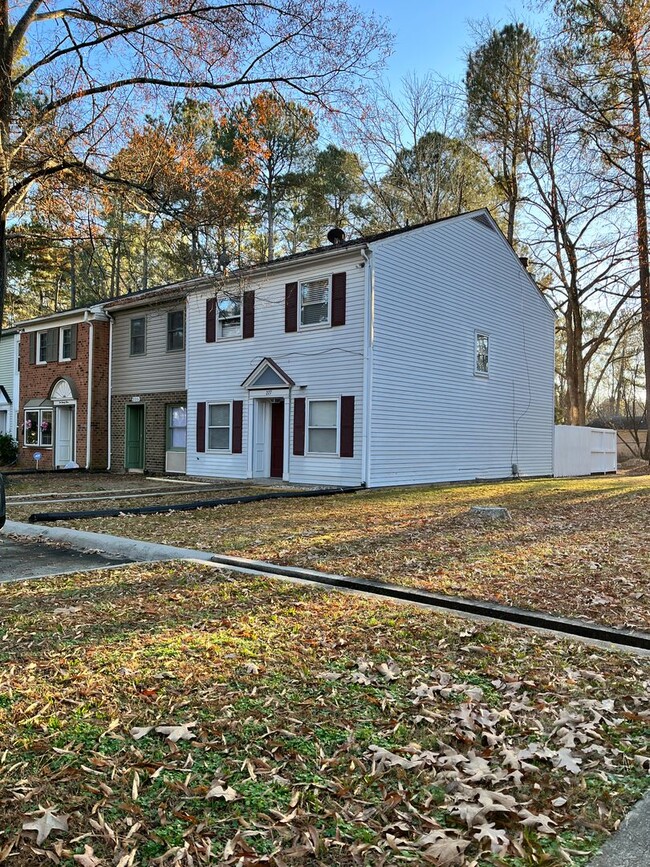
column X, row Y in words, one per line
column 322, row 433
column 41, row 347
column 65, row 344
column 314, row 302
column 138, row 336
column 228, row 316
column 482, row 354
column 175, row 330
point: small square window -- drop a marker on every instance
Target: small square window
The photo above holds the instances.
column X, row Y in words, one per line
column 138, row 336
column 482, row 354
column 228, row 316
column 175, row 330
column 314, row 302
column 323, row 427
column 219, row 427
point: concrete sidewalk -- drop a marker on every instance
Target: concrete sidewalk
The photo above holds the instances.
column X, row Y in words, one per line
column 630, row 845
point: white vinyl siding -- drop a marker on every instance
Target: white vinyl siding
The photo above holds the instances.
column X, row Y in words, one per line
column 158, row 370
column 433, row 419
column 323, row 362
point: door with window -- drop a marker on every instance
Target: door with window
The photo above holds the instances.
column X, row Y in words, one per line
column 134, row 452
column 175, row 460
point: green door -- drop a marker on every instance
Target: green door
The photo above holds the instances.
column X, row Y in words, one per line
column 134, row 457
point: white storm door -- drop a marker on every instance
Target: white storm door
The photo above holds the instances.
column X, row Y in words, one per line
column 261, row 445
column 64, row 443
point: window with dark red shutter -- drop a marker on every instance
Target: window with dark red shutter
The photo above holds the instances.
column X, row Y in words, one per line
column 338, row 298
column 248, row 329
column 237, row 423
column 346, row 448
column 291, row 307
column 210, row 320
column 200, row 427
column 299, row 426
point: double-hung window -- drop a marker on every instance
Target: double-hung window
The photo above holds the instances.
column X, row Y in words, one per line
column 229, row 316
column 315, row 302
column 481, row 353
column 38, row 427
column 65, row 343
column 219, row 427
column 138, row 335
column 176, row 428
column 323, row 427
column 41, row 347
column 175, row 330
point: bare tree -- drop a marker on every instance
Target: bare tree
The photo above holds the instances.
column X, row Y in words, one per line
column 71, row 72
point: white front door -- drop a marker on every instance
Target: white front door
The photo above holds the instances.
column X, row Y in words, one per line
column 64, row 435
column 261, row 439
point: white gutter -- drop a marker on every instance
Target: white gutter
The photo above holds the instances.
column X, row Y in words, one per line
column 16, row 388
column 110, row 389
column 368, row 340
column 89, row 414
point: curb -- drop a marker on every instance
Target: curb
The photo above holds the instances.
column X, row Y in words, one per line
column 629, row 846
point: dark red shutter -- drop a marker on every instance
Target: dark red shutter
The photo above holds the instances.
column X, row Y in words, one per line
column 237, row 419
column 248, row 329
column 338, row 298
column 291, row 307
column 200, row 427
column 299, row 426
column 346, row 448
column 211, row 320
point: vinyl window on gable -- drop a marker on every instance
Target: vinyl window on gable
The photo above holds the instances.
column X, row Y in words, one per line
column 175, row 330
column 228, row 316
column 38, row 427
column 322, row 427
column 315, row 302
column 219, row 426
column 481, row 354
column 138, row 336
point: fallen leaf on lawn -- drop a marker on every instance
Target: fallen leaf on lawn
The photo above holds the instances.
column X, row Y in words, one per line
column 564, row 759
column 138, row 732
column 70, row 610
column 88, row 858
column 46, row 823
column 390, row 670
column 177, row 733
column 499, row 841
column 220, row 789
column 540, row 823
column 447, row 852
column 251, row 668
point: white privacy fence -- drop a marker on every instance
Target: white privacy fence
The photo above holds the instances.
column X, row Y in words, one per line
column 582, row 451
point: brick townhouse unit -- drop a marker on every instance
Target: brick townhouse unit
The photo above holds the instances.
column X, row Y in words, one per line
column 64, row 378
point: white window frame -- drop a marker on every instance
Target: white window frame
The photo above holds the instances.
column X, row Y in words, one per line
column 63, row 328
column 39, row 443
column 208, row 427
column 326, row 324
column 483, row 374
column 336, row 453
column 4, row 421
column 41, row 336
column 231, row 297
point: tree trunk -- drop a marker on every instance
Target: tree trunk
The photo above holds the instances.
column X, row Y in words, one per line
column 270, row 225
column 642, row 235
column 73, row 278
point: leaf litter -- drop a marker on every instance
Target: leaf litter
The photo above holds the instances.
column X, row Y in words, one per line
column 188, row 716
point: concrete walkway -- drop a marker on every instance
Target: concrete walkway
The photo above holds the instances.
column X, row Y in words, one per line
column 630, row 845
column 21, row 560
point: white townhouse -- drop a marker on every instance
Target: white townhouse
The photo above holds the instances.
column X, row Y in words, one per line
column 9, row 381
column 420, row 355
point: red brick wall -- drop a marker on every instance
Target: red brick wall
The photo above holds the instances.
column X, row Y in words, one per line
column 37, row 381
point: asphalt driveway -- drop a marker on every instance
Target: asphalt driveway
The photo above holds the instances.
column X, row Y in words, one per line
column 27, row 559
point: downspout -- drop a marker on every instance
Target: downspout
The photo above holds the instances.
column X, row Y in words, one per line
column 110, row 390
column 89, row 414
column 368, row 340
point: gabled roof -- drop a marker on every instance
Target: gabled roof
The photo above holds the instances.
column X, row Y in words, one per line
column 267, row 374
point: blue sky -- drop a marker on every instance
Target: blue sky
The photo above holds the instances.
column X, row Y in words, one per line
column 433, row 36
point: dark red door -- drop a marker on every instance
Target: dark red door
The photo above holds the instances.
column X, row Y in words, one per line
column 277, row 440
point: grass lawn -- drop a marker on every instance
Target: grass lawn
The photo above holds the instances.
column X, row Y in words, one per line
column 312, row 728
column 574, row 547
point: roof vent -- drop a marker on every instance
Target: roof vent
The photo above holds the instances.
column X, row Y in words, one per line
column 336, row 236
column 484, row 221
column 524, row 261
